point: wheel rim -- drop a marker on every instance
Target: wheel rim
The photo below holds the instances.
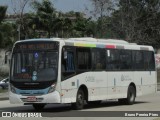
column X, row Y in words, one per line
column 80, row 99
column 132, row 96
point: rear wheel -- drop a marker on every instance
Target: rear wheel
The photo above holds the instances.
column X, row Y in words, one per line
column 38, row 106
column 79, row 104
column 131, row 95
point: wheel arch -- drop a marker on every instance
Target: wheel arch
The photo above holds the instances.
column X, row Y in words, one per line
column 85, row 90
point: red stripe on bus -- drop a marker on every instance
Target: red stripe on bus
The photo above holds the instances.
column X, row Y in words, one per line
column 110, row 46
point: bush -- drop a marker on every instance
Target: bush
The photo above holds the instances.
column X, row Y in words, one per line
column 4, row 71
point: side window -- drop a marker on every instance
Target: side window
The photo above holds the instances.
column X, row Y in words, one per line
column 125, row 60
column 98, row 59
column 146, row 62
column 138, row 60
column 112, row 59
column 68, row 62
column 149, row 61
column 83, row 58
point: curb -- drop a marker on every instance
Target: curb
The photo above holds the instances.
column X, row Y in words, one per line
column 4, row 96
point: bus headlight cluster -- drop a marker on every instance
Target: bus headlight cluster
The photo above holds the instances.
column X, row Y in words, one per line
column 12, row 88
column 52, row 88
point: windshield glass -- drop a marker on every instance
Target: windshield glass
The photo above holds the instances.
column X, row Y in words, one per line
column 34, row 65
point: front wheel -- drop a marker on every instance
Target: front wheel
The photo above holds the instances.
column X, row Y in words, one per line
column 79, row 104
column 38, row 106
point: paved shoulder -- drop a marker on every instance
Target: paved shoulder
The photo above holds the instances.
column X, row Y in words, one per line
column 4, row 96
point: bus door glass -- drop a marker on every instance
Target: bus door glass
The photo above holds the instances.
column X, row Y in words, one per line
column 68, row 62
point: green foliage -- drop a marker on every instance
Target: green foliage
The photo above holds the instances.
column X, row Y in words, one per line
column 46, row 15
column 53, row 23
column 6, row 35
column 3, row 10
column 139, row 21
column 133, row 20
column 6, row 30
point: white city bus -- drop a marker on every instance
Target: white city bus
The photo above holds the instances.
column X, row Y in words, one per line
column 79, row 71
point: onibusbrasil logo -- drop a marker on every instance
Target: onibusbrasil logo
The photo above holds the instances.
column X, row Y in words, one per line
column 17, row 114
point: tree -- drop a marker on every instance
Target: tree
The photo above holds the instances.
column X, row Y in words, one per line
column 18, row 7
column 6, row 35
column 46, row 15
column 73, row 24
column 139, row 20
column 3, row 10
column 63, row 25
column 31, row 24
column 102, row 8
column 6, row 29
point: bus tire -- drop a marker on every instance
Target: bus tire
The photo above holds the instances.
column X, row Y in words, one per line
column 131, row 95
column 38, row 106
column 79, row 104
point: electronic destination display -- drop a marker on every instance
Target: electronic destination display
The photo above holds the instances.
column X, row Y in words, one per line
column 36, row 46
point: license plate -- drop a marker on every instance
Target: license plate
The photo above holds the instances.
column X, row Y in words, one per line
column 31, row 99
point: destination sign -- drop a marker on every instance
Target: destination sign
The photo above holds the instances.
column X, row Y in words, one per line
column 37, row 46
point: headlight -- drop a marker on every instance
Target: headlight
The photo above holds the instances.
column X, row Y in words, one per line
column 52, row 88
column 13, row 90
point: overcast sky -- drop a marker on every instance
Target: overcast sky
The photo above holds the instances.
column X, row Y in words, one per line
column 60, row 5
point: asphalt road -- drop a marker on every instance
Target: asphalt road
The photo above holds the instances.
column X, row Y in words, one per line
column 144, row 103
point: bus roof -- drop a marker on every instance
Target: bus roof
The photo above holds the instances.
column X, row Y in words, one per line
column 106, row 43
column 96, row 43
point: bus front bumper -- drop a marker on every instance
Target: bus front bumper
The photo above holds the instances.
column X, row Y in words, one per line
column 53, row 97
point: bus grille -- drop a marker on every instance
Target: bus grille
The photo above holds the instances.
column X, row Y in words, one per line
column 30, row 86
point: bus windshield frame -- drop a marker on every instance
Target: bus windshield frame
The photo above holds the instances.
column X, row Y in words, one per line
column 35, row 62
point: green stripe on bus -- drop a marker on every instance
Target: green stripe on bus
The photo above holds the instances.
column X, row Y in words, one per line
column 84, row 45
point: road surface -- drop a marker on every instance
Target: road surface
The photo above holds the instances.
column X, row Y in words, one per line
column 144, row 103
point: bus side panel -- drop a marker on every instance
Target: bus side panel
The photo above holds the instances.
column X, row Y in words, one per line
column 137, row 80
column 146, row 82
column 118, row 83
column 96, row 83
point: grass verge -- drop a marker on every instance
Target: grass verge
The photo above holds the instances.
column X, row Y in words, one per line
column 2, row 91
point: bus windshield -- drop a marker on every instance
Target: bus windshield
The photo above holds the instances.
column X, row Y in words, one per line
column 34, row 65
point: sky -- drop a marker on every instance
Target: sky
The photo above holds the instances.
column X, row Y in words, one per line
column 60, row 5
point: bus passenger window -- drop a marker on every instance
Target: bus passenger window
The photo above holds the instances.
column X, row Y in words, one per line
column 138, row 60
column 149, row 62
column 112, row 60
column 125, row 60
column 98, row 59
column 68, row 63
column 83, row 58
